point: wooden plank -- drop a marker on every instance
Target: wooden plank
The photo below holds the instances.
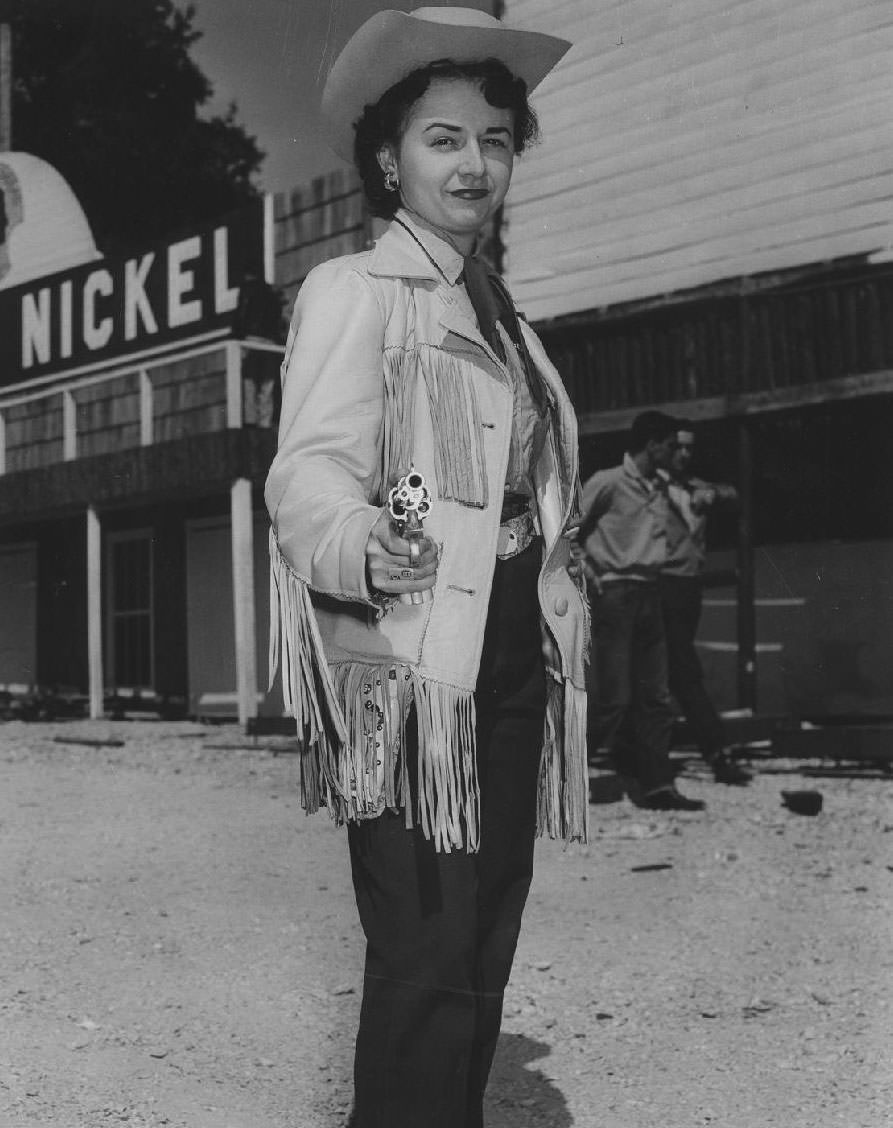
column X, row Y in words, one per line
column 94, row 612
column 688, row 268
column 735, row 105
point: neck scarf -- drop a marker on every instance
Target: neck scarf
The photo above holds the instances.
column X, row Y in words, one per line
column 491, row 303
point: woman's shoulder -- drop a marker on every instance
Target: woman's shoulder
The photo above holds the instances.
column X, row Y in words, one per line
column 342, row 280
column 339, row 269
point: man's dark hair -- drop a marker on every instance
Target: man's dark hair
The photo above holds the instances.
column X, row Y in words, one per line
column 651, row 426
column 384, row 122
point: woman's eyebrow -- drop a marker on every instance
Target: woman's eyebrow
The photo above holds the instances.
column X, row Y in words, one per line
column 458, row 128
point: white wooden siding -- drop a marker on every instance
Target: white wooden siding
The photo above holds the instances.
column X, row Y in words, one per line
column 698, row 140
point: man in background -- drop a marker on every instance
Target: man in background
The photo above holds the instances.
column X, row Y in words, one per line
column 681, row 592
column 622, row 546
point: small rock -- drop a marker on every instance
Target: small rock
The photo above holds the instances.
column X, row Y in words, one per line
column 346, row 989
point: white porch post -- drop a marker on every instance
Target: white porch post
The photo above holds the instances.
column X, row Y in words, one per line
column 94, row 612
column 242, row 521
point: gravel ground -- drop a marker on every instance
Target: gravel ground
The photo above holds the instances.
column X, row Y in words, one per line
column 178, row 947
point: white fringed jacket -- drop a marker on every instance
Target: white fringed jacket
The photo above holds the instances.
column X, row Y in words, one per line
column 384, row 368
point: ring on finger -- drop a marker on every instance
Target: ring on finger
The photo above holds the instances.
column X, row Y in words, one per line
column 401, row 574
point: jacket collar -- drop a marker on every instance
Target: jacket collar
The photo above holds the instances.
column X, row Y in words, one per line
column 632, row 470
column 407, row 250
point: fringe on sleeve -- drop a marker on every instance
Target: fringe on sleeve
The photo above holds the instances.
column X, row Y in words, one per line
column 563, row 801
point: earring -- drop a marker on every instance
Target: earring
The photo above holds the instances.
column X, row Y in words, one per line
column 391, row 180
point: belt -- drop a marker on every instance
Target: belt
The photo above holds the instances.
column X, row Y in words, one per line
column 515, row 534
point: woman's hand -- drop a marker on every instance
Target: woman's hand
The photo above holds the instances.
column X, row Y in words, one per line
column 388, row 565
column 580, row 563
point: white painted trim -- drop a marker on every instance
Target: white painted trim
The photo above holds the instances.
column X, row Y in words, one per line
column 233, row 384
column 191, row 346
column 147, row 409
column 69, row 427
column 94, row 612
column 242, row 518
column 269, row 240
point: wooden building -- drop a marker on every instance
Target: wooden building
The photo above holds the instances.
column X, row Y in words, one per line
column 138, row 404
column 706, row 227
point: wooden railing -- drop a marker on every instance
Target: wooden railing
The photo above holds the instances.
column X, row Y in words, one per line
column 773, row 347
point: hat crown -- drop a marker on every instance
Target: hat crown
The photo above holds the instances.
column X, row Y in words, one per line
column 457, row 17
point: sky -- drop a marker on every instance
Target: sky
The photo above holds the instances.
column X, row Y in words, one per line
column 271, row 58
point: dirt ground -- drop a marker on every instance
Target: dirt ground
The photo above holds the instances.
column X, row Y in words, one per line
column 178, row 947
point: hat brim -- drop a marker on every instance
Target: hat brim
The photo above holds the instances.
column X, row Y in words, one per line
column 390, row 45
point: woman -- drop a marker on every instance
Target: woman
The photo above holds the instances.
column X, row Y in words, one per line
column 445, row 730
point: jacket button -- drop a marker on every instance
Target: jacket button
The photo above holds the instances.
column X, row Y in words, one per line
column 560, row 606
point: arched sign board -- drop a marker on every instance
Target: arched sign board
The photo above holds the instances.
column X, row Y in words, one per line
column 107, row 308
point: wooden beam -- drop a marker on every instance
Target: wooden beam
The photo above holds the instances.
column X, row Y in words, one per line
column 94, row 612
column 863, row 742
column 242, row 520
column 746, row 610
column 5, row 88
column 749, row 403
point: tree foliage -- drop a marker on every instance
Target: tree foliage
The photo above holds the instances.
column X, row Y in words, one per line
column 106, row 92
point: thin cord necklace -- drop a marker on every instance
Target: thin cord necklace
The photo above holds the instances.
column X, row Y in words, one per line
column 425, row 250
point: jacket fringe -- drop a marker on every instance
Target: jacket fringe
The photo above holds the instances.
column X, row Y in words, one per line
column 563, row 801
column 351, row 724
column 459, row 459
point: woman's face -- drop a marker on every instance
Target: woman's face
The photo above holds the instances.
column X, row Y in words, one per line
column 454, row 159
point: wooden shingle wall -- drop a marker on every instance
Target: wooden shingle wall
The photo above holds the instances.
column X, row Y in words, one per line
column 316, row 222
column 689, row 142
column 33, row 434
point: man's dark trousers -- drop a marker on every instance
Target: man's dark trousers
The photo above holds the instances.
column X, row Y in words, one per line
column 630, row 711
column 441, row 929
column 681, row 598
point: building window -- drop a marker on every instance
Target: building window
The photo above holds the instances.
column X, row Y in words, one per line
column 130, row 641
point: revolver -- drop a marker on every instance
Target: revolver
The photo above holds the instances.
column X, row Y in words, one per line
column 409, row 503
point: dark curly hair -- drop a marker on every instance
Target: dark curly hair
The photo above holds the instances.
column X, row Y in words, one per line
column 384, row 122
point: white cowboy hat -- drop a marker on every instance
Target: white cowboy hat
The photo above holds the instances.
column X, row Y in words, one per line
column 390, row 45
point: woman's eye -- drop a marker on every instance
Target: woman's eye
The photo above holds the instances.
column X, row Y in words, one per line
column 443, row 142
column 496, row 142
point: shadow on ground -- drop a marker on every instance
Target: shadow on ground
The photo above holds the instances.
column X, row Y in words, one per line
column 520, row 1095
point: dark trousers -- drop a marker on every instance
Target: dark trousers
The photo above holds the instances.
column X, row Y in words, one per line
column 441, row 929
column 630, row 710
column 681, row 598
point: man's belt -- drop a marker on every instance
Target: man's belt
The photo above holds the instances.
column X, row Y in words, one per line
column 515, row 534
